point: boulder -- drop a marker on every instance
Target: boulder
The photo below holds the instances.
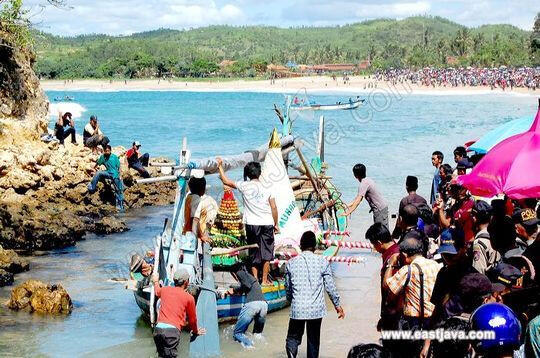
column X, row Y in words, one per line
column 11, row 262
column 109, row 225
column 36, row 296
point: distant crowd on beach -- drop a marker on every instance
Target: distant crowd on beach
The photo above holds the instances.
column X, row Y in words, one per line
column 502, row 77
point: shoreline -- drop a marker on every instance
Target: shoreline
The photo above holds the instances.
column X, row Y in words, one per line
column 317, row 84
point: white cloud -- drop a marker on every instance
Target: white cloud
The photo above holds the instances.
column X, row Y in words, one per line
column 128, row 16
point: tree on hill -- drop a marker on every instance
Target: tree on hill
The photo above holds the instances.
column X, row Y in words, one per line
column 535, row 41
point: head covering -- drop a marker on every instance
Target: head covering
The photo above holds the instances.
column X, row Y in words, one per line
column 452, row 240
column 411, row 181
column 135, row 263
column 462, row 164
column 525, row 217
column 500, row 319
column 181, row 274
column 137, row 143
column 93, row 118
column 504, row 274
column 475, row 285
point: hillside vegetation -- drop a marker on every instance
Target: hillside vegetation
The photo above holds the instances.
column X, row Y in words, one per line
column 412, row 42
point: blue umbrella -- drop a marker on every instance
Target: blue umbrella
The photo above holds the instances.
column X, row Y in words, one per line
column 497, row 135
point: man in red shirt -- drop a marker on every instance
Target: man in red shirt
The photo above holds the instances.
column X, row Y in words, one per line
column 382, row 242
column 459, row 214
column 175, row 305
column 137, row 161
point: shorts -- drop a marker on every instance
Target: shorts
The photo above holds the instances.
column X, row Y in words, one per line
column 262, row 235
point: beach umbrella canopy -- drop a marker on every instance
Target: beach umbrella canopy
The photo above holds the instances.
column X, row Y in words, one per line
column 497, row 135
column 511, row 167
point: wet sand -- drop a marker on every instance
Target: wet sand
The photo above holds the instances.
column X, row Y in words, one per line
column 288, row 85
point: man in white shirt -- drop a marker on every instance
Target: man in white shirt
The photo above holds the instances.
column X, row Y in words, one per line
column 260, row 216
column 93, row 136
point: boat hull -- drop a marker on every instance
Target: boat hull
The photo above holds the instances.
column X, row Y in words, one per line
column 229, row 307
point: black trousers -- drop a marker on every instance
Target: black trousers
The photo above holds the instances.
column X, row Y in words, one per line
column 295, row 333
column 139, row 164
column 166, row 340
column 62, row 134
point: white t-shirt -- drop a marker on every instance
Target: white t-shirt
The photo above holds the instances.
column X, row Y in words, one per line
column 206, row 210
column 257, row 209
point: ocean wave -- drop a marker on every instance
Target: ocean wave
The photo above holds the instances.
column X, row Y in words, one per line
column 73, row 107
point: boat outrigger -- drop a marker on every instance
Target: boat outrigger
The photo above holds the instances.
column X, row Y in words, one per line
column 308, row 201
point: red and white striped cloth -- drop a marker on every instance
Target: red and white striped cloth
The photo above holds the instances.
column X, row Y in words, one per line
column 348, row 244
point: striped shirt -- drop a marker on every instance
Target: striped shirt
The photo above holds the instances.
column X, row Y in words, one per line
column 395, row 283
column 305, row 278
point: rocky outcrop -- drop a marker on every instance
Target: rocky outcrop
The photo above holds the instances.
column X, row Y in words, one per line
column 36, row 296
column 23, row 106
column 10, row 261
column 44, row 199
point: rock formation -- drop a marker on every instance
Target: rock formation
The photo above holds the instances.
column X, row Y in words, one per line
column 44, row 201
column 36, row 296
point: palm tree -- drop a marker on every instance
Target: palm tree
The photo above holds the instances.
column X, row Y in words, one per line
column 462, row 42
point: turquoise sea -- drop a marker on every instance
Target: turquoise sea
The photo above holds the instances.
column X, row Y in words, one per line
column 393, row 135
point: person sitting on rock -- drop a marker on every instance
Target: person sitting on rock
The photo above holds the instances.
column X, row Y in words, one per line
column 93, row 136
column 112, row 164
column 137, row 161
column 60, row 131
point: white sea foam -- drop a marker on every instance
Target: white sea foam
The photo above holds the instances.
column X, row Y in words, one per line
column 73, row 107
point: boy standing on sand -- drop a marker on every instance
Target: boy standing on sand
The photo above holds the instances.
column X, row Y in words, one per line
column 260, row 216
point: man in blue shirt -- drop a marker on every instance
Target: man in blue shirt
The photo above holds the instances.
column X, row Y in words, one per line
column 436, row 159
column 305, row 277
column 112, row 172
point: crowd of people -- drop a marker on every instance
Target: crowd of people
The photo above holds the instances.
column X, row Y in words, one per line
column 94, row 139
column 455, row 262
column 502, row 77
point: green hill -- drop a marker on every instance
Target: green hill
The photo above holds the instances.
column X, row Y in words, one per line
column 415, row 41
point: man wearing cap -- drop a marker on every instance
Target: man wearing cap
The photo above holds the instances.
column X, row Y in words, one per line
column 483, row 254
column 177, row 306
column 474, row 290
column 526, row 225
column 505, row 277
column 137, row 161
column 93, row 136
column 457, row 264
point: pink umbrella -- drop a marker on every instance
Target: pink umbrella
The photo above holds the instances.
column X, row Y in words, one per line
column 512, row 167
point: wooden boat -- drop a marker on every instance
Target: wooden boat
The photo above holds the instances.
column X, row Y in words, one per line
column 229, row 306
column 328, row 107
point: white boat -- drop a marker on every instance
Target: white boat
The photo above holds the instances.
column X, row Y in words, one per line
column 328, row 107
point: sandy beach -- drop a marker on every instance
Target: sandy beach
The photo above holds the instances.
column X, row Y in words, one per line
column 321, row 84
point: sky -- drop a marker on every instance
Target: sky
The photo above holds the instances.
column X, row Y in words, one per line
column 122, row 17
